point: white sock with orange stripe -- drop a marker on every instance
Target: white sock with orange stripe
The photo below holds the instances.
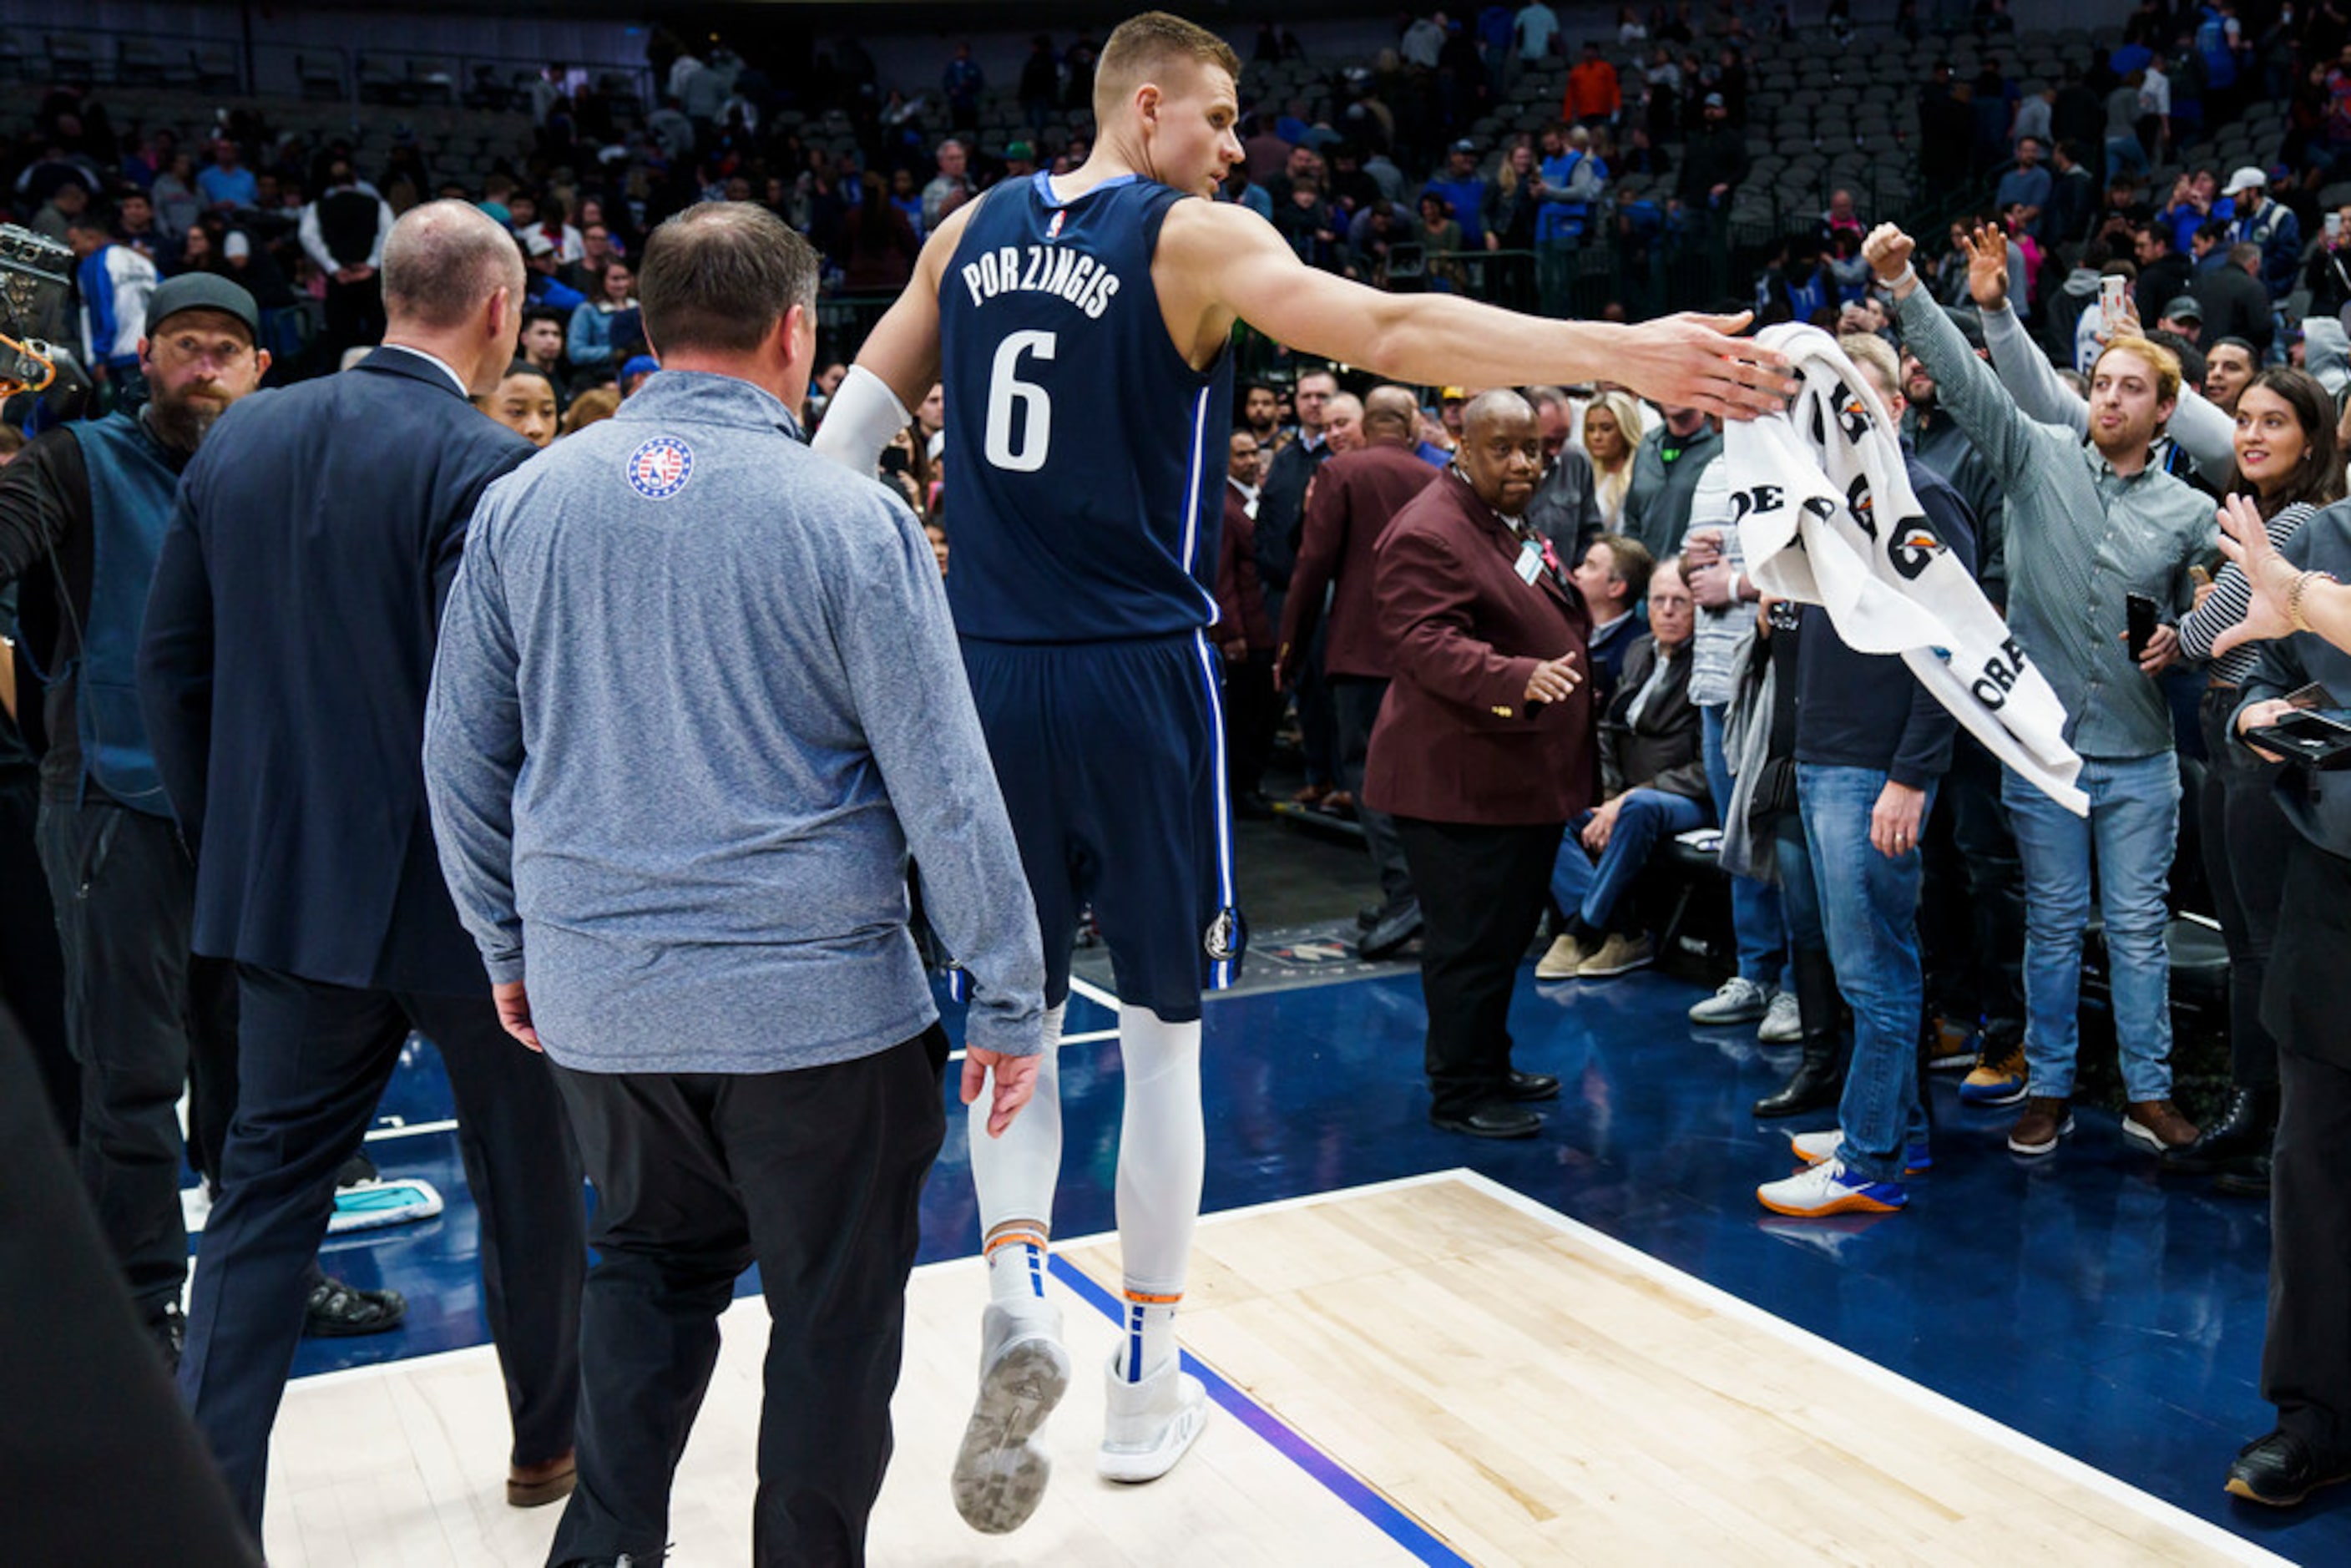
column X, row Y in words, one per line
column 1161, row 1151
column 1014, row 1176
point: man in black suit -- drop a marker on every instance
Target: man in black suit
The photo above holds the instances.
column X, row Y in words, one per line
column 288, row 646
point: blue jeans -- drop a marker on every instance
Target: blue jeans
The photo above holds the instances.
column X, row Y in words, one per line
column 2134, row 825
column 1756, row 919
column 1593, row 892
column 1872, row 925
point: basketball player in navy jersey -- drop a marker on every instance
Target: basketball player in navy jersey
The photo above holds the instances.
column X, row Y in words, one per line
column 1079, row 327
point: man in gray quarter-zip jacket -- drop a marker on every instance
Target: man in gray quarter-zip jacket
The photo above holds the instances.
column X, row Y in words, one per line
column 2086, row 526
column 697, row 699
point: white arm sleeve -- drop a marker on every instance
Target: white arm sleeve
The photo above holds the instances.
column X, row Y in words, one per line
column 858, row 421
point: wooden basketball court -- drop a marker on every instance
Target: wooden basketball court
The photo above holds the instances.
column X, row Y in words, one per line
column 1436, row 1370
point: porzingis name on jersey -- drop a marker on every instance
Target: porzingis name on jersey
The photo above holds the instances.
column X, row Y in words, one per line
column 1042, row 269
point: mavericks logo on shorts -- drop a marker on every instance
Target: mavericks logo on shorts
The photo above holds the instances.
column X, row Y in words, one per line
column 1226, row 936
column 660, row 468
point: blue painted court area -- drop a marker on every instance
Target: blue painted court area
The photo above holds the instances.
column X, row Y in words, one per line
column 2076, row 1299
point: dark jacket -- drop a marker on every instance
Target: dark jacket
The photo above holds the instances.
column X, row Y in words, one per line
column 1281, row 509
column 1565, row 508
column 2235, row 306
column 1866, row 710
column 46, row 541
column 1240, row 599
column 289, row 645
column 2317, row 803
column 1657, row 502
column 1661, row 748
column 1716, row 157
column 1356, row 497
column 1456, row 740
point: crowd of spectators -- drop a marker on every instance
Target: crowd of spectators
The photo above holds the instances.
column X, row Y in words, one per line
column 2082, row 371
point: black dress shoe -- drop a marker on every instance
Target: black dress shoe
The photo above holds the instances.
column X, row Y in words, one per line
column 1399, row 926
column 1495, row 1121
column 2280, row 1470
column 337, row 1310
column 1526, row 1086
column 2250, row 1178
column 2241, row 1136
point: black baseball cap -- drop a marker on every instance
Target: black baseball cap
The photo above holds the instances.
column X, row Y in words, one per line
column 201, row 291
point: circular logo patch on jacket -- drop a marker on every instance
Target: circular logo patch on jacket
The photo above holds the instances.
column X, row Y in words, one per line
column 660, row 468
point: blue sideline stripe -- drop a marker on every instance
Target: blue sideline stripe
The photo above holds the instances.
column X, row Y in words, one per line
column 1341, row 1483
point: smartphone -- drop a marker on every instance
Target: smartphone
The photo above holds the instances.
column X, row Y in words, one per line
column 2139, row 613
column 2334, row 226
column 2322, row 740
column 2110, row 298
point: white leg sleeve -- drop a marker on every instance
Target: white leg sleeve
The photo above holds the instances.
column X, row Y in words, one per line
column 1015, row 1173
column 1161, row 1150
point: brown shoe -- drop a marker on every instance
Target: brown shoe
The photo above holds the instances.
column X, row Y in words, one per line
column 2045, row 1120
column 2157, row 1125
column 1309, row 795
column 535, row 1486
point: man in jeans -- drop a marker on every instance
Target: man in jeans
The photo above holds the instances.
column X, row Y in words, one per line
column 1870, row 746
column 2087, row 525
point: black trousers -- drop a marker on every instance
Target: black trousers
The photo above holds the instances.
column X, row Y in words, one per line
column 32, row 970
column 314, row 1060
column 98, row 1461
column 1355, row 707
column 1252, row 713
column 1972, row 903
column 2306, row 1356
column 1481, row 897
column 125, row 892
column 817, row 1176
column 2247, row 842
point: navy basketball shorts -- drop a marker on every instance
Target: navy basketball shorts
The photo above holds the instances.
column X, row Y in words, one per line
column 1111, row 758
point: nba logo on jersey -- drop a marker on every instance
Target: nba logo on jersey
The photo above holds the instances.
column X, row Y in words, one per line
column 1053, row 230
column 660, row 468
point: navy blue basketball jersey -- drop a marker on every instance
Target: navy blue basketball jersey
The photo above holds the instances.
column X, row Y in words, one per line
column 1085, row 456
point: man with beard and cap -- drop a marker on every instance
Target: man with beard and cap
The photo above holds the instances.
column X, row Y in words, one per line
column 82, row 516
column 1483, row 751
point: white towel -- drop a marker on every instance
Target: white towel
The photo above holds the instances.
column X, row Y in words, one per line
column 1826, row 516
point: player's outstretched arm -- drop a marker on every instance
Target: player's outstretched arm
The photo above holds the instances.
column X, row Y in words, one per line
column 1234, row 264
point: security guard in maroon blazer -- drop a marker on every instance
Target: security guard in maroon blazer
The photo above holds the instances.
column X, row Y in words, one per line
column 1483, row 749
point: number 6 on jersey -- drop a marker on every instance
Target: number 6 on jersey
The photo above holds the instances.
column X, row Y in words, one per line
column 1006, row 391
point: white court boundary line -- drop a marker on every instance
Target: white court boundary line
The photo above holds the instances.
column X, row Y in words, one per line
column 2171, row 1516
column 2114, row 1488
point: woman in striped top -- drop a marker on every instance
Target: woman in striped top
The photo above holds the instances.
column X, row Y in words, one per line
column 2288, row 460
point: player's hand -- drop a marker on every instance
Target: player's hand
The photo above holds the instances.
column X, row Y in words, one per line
column 1988, row 267
column 1554, row 680
column 1888, row 250
column 514, row 1012
column 1016, row 1081
column 1693, row 361
column 2261, row 716
column 2245, row 540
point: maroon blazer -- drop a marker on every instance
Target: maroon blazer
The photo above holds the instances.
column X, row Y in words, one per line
column 1455, row 740
column 1240, row 598
column 1353, row 498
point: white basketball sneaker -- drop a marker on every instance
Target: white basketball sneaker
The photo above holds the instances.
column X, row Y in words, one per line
column 1151, row 1424
column 1000, row 1473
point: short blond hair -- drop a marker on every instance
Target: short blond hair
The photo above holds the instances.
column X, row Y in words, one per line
column 1871, row 353
column 1143, row 46
column 2162, row 360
